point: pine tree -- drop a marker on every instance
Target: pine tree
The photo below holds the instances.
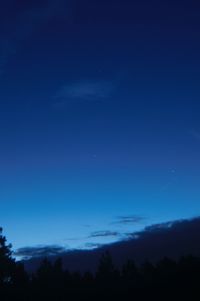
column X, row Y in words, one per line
column 7, row 263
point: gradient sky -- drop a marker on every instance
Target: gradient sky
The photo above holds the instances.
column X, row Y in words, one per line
column 99, row 118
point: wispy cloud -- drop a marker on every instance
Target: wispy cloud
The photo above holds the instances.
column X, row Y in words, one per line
column 39, row 251
column 84, row 90
column 162, row 226
column 91, row 245
column 129, row 220
column 106, row 233
column 195, row 134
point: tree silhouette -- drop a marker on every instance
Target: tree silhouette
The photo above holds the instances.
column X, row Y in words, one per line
column 165, row 280
column 130, row 272
column 106, row 268
column 7, row 263
column 44, row 274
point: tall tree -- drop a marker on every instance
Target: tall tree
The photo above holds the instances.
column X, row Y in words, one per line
column 7, row 263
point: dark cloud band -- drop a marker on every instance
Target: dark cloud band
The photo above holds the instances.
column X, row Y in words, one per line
column 39, row 251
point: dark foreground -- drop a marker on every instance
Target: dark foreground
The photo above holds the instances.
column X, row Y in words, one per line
column 167, row 280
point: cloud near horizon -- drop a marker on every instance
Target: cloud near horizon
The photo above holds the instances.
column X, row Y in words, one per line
column 91, row 245
column 106, row 233
column 173, row 238
column 159, row 232
column 129, row 219
column 39, row 251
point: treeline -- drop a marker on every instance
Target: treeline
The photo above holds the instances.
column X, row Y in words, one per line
column 166, row 280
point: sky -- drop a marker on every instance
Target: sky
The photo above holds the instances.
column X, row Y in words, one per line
column 99, row 118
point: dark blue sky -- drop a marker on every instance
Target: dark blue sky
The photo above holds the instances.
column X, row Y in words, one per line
column 99, row 118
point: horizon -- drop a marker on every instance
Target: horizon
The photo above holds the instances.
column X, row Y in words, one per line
column 174, row 240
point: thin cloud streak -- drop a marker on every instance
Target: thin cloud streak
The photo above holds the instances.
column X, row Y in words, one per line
column 91, row 245
column 39, row 251
column 129, row 220
column 104, row 234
